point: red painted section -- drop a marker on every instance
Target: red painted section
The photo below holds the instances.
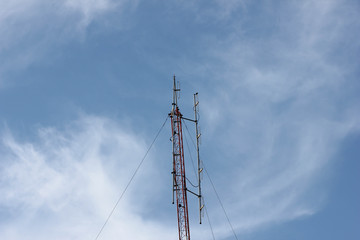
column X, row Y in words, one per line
column 179, row 175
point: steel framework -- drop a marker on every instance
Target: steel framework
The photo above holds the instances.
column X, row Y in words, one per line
column 179, row 178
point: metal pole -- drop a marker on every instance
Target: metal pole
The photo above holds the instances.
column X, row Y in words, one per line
column 196, row 110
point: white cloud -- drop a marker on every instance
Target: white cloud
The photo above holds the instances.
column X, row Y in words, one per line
column 64, row 184
column 90, row 9
column 278, row 111
column 31, row 29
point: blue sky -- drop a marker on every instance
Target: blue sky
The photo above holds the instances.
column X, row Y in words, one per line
column 86, row 84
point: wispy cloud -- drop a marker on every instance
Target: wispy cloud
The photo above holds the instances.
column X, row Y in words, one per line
column 65, row 183
column 277, row 108
column 90, row 10
column 31, row 29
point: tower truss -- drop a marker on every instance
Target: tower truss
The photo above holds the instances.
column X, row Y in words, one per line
column 179, row 179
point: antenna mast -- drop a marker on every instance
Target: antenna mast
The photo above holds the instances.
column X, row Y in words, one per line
column 179, row 178
column 200, row 169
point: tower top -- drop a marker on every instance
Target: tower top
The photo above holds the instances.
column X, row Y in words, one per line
column 176, row 95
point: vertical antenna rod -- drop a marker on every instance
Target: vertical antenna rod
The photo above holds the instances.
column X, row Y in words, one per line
column 200, row 169
column 179, row 179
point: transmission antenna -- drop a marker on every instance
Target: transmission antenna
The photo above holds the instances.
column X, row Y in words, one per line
column 179, row 179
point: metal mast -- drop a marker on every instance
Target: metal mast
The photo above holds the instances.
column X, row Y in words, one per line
column 179, row 179
column 200, row 169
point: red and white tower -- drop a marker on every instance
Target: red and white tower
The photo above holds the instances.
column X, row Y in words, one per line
column 179, row 178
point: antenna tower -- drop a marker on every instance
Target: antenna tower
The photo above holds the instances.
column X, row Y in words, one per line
column 179, row 178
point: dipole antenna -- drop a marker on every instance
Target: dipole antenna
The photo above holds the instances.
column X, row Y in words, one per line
column 200, row 169
column 179, row 179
